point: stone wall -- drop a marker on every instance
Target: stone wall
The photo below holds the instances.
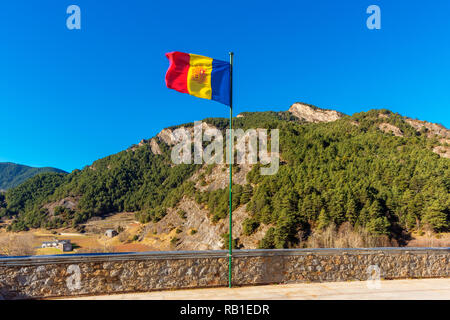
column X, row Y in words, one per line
column 90, row 274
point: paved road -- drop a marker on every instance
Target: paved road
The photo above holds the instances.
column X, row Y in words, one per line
column 438, row 289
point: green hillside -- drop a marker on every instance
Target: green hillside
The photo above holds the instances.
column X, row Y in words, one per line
column 331, row 172
column 11, row 174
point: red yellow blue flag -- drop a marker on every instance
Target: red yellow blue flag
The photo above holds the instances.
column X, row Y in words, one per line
column 199, row 76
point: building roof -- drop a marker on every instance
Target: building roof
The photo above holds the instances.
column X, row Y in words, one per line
column 56, row 241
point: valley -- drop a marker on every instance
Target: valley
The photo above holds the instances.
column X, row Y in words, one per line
column 375, row 178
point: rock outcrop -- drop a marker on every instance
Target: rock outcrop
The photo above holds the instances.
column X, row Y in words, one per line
column 154, row 146
column 442, row 151
column 434, row 130
column 166, row 135
column 313, row 114
column 389, row 128
column 68, row 203
column 195, row 231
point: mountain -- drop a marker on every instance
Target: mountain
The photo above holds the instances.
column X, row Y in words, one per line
column 376, row 174
column 11, row 174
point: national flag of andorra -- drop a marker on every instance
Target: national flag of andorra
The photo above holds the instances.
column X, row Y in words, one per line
column 199, row 76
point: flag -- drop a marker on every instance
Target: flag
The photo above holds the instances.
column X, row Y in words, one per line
column 199, row 76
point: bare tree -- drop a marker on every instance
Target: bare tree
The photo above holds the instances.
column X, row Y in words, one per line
column 17, row 245
column 347, row 236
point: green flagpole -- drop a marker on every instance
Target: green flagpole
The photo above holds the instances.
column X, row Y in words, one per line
column 230, row 242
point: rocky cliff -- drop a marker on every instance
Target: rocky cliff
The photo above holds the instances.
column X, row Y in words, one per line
column 314, row 114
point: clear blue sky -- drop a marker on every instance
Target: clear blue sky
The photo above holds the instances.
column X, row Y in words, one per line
column 69, row 97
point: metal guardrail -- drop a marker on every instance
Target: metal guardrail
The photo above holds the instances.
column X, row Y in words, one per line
column 158, row 255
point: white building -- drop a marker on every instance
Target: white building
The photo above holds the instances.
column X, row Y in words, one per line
column 64, row 245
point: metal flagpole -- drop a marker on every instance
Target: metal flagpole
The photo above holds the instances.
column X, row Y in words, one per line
column 230, row 241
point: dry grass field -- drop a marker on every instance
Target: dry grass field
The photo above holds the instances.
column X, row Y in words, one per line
column 430, row 240
column 48, row 251
column 93, row 240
